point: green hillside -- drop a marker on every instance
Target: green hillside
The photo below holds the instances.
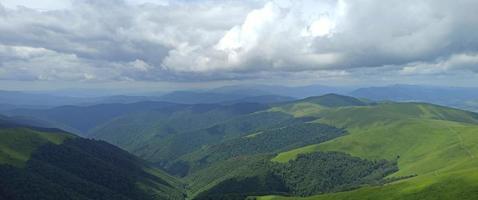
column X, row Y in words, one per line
column 17, row 144
column 218, row 170
column 448, row 186
column 273, row 140
column 249, row 156
column 39, row 163
column 243, row 176
column 436, row 143
column 331, row 146
column 164, row 137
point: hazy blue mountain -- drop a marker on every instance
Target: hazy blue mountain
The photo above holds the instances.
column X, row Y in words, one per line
column 290, row 91
column 27, row 121
column 5, row 107
column 34, row 99
column 14, row 99
column 460, row 97
column 226, row 94
column 245, row 90
column 189, row 97
column 92, row 92
column 450, row 96
column 80, row 119
column 265, row 99
column 123, row 99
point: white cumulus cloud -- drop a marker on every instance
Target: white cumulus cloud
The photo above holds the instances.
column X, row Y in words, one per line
column 166, row 40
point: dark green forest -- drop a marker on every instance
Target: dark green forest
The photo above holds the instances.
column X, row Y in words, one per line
column 291, row 134
column 309, row 174
column 82, row 169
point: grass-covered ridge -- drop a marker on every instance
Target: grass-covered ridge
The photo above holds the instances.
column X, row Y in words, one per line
column 444, row 186
column 436, row 143
column 416, row 133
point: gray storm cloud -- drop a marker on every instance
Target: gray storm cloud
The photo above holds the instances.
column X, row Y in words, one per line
column 211, row 40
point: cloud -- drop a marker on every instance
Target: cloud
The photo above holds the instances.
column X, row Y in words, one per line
column 271, row 38
column 160, row 40
column 331, row 35
column 39, row 5
column 104, row 38
column 462, row 62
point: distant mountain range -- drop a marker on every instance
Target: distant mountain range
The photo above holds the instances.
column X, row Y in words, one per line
column 76, row 114
column 461, row 97
column 15, row 99
column 80, row 119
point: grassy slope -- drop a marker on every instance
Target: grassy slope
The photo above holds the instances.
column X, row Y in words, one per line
column 434, row 142
column 16, row 144
column 426, row 187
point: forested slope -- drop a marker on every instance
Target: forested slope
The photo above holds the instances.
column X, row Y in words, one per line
column 37, row 163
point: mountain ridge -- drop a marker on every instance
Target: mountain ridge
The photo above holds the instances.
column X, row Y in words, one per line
column 58, row 165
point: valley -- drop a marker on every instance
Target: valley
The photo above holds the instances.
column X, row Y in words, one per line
column 323, row 147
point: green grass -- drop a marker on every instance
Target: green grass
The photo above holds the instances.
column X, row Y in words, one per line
column 462, row 185
column 438, row 144
column 16, row 144
column 424, row 146
column 292, row 154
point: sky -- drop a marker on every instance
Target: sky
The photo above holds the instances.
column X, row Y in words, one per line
column 161, row 44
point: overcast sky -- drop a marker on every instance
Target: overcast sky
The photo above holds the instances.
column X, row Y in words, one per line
column 174, row 44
